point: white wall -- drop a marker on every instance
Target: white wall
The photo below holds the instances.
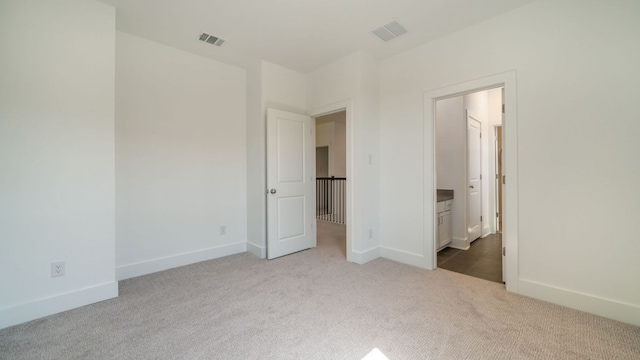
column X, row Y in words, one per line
column 352, row 81
column 366, row 155
column 256, row 176
column 56, row 156
column 451, row 162
column 324, row 133
column 339, row 152
column 333, row 83
column 283, row 89
column 576, row 66
column 331, row 131
column 270, row 86
column 180, row 157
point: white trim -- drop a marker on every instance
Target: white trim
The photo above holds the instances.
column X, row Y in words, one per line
column 608, row 308
column 151, row 266
column 486, row 230
column 257, row 250
column 493, row 203
column 50, row 305
column 363, row 257
column 510, row 170
column 457, row 243
column 347, row 106
column 402, row 256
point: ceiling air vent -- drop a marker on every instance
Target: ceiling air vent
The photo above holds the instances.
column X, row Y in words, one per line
column 214, row 40
column 390, row 31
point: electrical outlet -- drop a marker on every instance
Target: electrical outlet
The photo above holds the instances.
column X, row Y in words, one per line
column 223, row 230
column 57, row 269
column 370, row 234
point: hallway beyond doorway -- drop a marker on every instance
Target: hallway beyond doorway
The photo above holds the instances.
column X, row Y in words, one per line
column 483, row 259
column 332, row 238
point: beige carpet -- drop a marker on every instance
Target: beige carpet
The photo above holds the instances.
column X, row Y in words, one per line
column 315, row 305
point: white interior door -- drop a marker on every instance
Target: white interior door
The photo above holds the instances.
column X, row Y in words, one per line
column 474, row 166
column 290, row 182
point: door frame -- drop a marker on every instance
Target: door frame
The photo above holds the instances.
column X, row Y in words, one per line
column 346, row 106
column 496, row 198
column 510, row 169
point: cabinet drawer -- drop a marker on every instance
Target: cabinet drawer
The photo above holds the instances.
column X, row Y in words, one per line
column 448, row 205
column 440, row 207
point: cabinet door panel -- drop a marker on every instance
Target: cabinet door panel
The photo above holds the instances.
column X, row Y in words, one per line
column 444, row 228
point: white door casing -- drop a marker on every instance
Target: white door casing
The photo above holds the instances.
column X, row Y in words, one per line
column 474, row 166
column 506, row 80
column 290, row 183
column 351, row 218
column 502, row 198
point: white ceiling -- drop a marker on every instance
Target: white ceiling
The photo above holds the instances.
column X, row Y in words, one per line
column 302, row 35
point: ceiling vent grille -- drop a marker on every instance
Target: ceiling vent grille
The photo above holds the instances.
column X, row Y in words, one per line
column 213, row 40
column 390, row 31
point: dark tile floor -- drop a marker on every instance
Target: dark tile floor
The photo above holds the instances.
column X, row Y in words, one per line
column 482, row 260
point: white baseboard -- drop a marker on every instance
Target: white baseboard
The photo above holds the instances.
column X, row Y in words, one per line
column 363, row 257
column 612, row 309
column 39, row 308
column 150, row 266
column 486, row 231
column 462, row 244
column 404, row 257
column 259, row 251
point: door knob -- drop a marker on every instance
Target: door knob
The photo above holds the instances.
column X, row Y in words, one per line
column 471, row 186
column 273, row 191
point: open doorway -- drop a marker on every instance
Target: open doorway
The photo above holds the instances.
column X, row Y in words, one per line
column 469, row 239
column 510, row 251
column 331, row 182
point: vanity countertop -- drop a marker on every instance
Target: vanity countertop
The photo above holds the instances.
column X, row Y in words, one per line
column 444, row 195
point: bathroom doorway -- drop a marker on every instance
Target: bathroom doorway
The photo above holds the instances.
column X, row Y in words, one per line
column 466, row 168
